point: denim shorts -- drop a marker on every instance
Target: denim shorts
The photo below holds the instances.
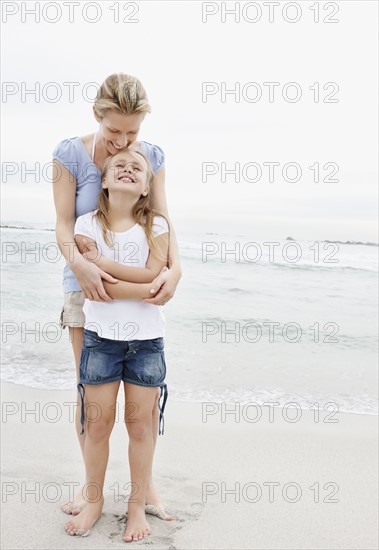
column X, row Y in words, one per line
column 140, row 362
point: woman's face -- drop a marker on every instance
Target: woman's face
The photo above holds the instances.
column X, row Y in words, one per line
column 119, row 130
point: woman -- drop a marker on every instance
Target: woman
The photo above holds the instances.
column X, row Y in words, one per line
column 120, row 107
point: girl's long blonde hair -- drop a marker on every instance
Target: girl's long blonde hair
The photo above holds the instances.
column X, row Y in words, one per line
column 142, row 212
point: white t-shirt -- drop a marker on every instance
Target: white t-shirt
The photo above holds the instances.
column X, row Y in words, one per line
column 123, row 319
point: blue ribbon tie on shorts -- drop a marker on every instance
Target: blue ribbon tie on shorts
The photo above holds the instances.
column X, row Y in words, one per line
column 164, row 393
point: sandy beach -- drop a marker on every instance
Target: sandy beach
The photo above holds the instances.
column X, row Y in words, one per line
column 232, row 484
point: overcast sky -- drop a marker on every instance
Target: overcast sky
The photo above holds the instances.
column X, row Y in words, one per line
column 176, row 47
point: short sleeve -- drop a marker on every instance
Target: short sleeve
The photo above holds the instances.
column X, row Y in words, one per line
column 67, row 155
column 160, row 226
column 155, row 155
column 84, row 225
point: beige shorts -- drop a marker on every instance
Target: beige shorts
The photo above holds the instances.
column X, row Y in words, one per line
column 72, row 312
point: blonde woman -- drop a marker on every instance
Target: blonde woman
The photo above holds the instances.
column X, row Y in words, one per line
column 120, row 108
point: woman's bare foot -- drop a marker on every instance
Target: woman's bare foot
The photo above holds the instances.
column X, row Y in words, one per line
column 137, row 526
column 75, row 506
column 86, row 519
column 154, row 505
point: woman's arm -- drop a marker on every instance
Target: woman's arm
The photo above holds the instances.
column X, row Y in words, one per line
column 88, row 248
column 167, row 282
column 88, row 275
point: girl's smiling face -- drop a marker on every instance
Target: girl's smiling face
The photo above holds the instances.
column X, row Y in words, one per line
column 119, row 130
column 127, row 171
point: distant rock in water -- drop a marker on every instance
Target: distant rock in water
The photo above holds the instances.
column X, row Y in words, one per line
column 14, row 227
column 341, row 242
column 4, row 226
column 352, row 242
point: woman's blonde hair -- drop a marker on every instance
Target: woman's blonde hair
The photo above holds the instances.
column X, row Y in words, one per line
column 142, row 213
column 122, row 93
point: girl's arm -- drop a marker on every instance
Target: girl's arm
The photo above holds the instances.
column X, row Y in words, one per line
column 88, row 275
column 128, row 291
column 168, row 281
column 127, row 273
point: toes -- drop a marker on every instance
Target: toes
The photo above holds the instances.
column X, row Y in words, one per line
column 82, row 532
column 135, row 536
column 158, row 512
column 66, row 507
column 70, row 528
column 73, row 530
column 72, row 508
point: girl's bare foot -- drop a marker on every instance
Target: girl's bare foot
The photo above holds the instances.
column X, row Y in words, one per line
column 86, row 519
column 137, row 526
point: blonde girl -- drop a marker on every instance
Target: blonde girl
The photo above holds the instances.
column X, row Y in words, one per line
column 123, row 339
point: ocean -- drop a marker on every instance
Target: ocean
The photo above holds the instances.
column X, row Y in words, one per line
column 286, row 322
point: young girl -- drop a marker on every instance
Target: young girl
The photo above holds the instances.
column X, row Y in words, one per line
column 123, row 339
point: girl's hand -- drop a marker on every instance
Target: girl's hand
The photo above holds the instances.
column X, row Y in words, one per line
column 90, row 277
column 165, row 285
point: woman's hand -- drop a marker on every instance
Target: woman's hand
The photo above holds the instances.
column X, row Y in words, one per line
column 164, row 285
column 90, row 278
